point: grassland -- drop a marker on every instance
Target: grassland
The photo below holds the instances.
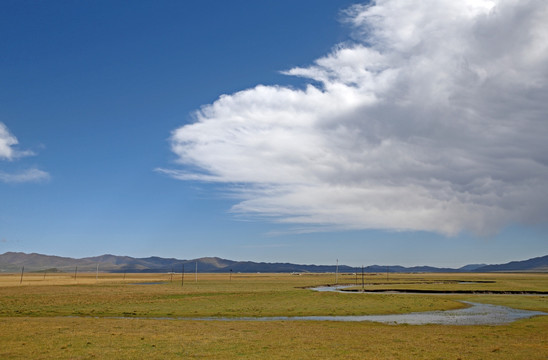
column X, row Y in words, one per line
column 61, row 317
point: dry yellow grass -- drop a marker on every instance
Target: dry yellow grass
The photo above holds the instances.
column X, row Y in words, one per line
column 41, row 279
column 36, row 322
column 77, row 338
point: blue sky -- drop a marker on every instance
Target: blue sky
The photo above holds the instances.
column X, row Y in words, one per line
column 293, row 131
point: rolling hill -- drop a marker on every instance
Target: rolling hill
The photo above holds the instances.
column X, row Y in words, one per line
column 14, row 261
column 538, row 264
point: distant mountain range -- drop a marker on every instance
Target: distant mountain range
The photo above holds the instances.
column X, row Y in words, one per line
column 14, row 261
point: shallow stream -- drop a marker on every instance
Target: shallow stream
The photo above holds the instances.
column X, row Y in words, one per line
column 474, row 314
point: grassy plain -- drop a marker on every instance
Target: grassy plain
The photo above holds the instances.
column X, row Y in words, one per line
column 61, row 317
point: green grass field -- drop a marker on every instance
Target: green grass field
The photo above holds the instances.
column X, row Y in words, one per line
column 59, row 317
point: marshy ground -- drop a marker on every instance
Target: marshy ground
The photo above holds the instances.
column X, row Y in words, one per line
column 108, row 316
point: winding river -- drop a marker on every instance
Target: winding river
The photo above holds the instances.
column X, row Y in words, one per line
column 474, row 314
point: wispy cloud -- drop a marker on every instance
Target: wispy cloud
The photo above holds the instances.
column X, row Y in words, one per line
column 264, row 246
column 434, row 118
column 10, row 152
column 30, row 175
column 185, row 175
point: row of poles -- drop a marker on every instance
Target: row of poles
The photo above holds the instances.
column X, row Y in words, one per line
column 75, row 273
column 363, row 274
column 183, row 274
column 196, row 274
column 97, row 273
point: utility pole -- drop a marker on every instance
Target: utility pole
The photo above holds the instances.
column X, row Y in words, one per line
column 97, row 273
column 363, row 284
column 183, row 276
column 22, row 271
column 196, row 272
column 337, row 273
column 75, row 272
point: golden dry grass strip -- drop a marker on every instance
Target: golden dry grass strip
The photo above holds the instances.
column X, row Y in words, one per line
column 77, row 338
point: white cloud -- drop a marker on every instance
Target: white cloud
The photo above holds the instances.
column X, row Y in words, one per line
column 7, row 143
column 9, row 152
column 30, row 175
column 435, row 118
column 7, row 140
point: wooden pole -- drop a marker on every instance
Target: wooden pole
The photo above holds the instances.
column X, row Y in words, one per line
column 230, row 279
column 183, row 275
column 363, row 284
column 337, row 273
column 171, row 275
column 22, row 271
column 97, row 273
column 196, row 273
column 75, row 272
column 45, row 272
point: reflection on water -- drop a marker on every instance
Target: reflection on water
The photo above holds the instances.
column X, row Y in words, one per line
column 334, row 288
column 476, row 314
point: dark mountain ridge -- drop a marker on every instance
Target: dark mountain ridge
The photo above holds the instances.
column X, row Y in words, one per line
column 14, row 261
column 539, row 264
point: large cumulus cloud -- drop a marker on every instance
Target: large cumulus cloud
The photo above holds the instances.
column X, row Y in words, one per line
column 435, row 118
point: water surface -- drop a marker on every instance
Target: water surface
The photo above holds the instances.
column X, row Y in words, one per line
column 475, row 314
